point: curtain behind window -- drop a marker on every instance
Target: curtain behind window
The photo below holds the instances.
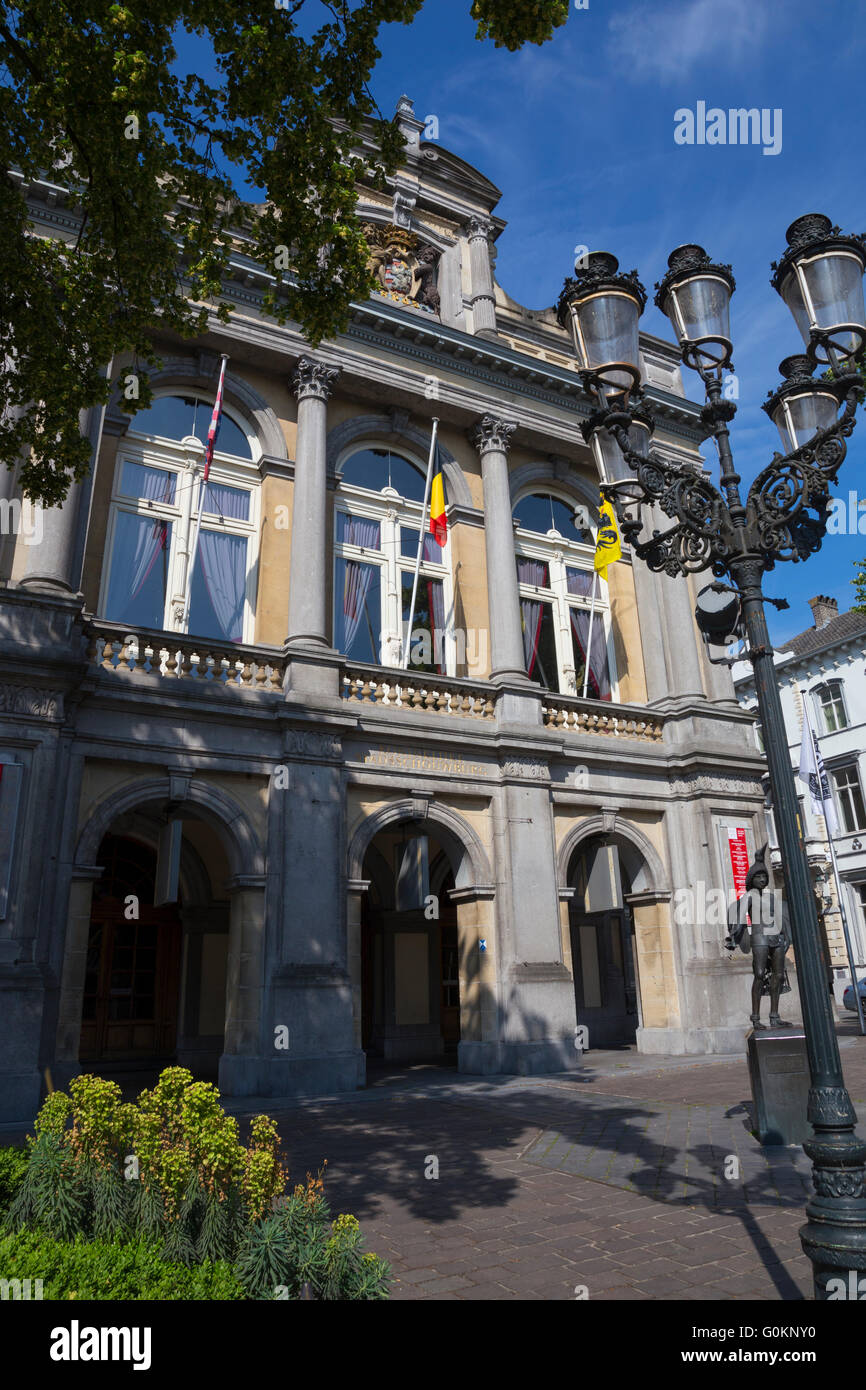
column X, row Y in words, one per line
column 580, row 583
column 223, row 562
column 357, row 580
column 531, row 572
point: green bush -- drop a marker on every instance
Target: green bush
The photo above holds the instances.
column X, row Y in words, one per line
column 300, row 1245
column 169, row 1178
column 110, row 1270
column 13, row 1165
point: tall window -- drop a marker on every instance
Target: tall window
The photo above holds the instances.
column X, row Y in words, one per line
column 555, row 549
column 831, row 706
column 376, row 537
column 849, row 795
column 155, row 500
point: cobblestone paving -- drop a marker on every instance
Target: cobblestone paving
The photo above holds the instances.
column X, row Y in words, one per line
column 611, row 1180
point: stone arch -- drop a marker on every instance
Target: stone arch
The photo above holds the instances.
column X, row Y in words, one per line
column 468, row 857
column 214, row 805
column 532, row 477
column 393, row 429
column 201, row 371
column 196, row 885
column 642, row 861
column 246, row 885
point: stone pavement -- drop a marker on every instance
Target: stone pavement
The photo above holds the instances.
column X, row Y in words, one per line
column 611, row 1180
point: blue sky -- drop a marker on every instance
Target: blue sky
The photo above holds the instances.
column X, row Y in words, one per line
column 579, row 136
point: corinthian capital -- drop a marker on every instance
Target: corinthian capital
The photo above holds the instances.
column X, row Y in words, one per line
column 314, row 378
column 479, row 226
column 492, row 433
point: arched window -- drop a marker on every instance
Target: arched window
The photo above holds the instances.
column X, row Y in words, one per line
column 830, row 706
column 564, row 608
column 377, row 528
column 158, row 489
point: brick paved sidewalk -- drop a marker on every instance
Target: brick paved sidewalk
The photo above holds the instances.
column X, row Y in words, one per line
column 612, row 1179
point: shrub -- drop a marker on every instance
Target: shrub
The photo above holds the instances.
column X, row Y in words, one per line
column 104, row 1270
column 13, row 1165
column 169, row 1174
column 301, row 1245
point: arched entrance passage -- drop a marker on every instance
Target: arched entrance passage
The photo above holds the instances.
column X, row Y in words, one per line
column 181, row 980
column 419, row 904
column 633, row 882
column 603, row 950
column 410, row 980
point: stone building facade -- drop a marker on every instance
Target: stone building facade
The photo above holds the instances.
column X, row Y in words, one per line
column 250, row 841
column 826, row 665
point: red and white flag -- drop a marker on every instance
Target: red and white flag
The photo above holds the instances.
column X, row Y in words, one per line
column 215, row 421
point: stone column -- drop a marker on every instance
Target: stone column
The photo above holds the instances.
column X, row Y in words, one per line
column 53, row 563
column 242, row 1067
column 308, row 572
column 492, row 438
column 74, row 969
column 681, row 649
column 482, row 295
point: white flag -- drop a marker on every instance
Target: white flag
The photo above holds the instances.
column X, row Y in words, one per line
column 814, row 776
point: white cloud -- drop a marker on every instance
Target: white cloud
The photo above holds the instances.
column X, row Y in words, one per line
column 664, row 41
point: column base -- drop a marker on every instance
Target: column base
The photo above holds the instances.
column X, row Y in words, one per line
column 47, row 584
column 693, row 1042
column 518, row 1058
column 298, row 1076
column 312, row 668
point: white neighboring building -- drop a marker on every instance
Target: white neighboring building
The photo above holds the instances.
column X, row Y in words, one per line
column 827, row 664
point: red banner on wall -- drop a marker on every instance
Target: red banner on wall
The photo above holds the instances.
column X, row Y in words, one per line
column 739, row 859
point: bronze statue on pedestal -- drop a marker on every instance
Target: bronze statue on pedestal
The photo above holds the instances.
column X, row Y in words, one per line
column 758, row 922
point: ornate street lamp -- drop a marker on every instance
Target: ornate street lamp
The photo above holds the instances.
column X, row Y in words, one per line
column 820, row 278
column 801, row 406
column 784, row 517
column 603, row 308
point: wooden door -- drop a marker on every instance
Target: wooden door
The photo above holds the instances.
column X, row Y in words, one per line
column 132, row 983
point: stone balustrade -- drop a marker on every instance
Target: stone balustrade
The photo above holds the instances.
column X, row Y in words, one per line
column 600, row 717
column 403, row 690
column 175, row 656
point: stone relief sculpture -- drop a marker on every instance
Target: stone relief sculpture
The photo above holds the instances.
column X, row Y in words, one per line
column 405, row 271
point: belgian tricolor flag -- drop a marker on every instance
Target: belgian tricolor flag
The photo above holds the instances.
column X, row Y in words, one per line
column 438, row 519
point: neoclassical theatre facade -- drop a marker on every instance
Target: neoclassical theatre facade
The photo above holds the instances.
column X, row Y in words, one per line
column 234, row 832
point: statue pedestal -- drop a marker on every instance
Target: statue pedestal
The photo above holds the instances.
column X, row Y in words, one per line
column 779, row 1073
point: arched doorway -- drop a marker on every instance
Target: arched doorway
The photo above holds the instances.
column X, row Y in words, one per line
column 603, row 949
column 132, row 977
column 410, row 976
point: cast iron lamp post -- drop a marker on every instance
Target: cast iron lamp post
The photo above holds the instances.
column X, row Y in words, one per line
column 784, row 517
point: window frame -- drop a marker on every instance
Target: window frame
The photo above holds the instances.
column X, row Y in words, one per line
column 392, row 511
column 560, row 554
column 852, row 767
column 230, row 470
column 836, row 689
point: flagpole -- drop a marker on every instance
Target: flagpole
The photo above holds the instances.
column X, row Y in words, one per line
column 816, row 752
column 589, row 634
column 197, row 524
column 408, row 642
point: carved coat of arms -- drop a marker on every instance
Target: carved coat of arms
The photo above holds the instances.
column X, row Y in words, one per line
column 404, row 270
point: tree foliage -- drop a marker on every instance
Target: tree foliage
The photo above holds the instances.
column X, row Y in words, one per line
column 151, row 160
